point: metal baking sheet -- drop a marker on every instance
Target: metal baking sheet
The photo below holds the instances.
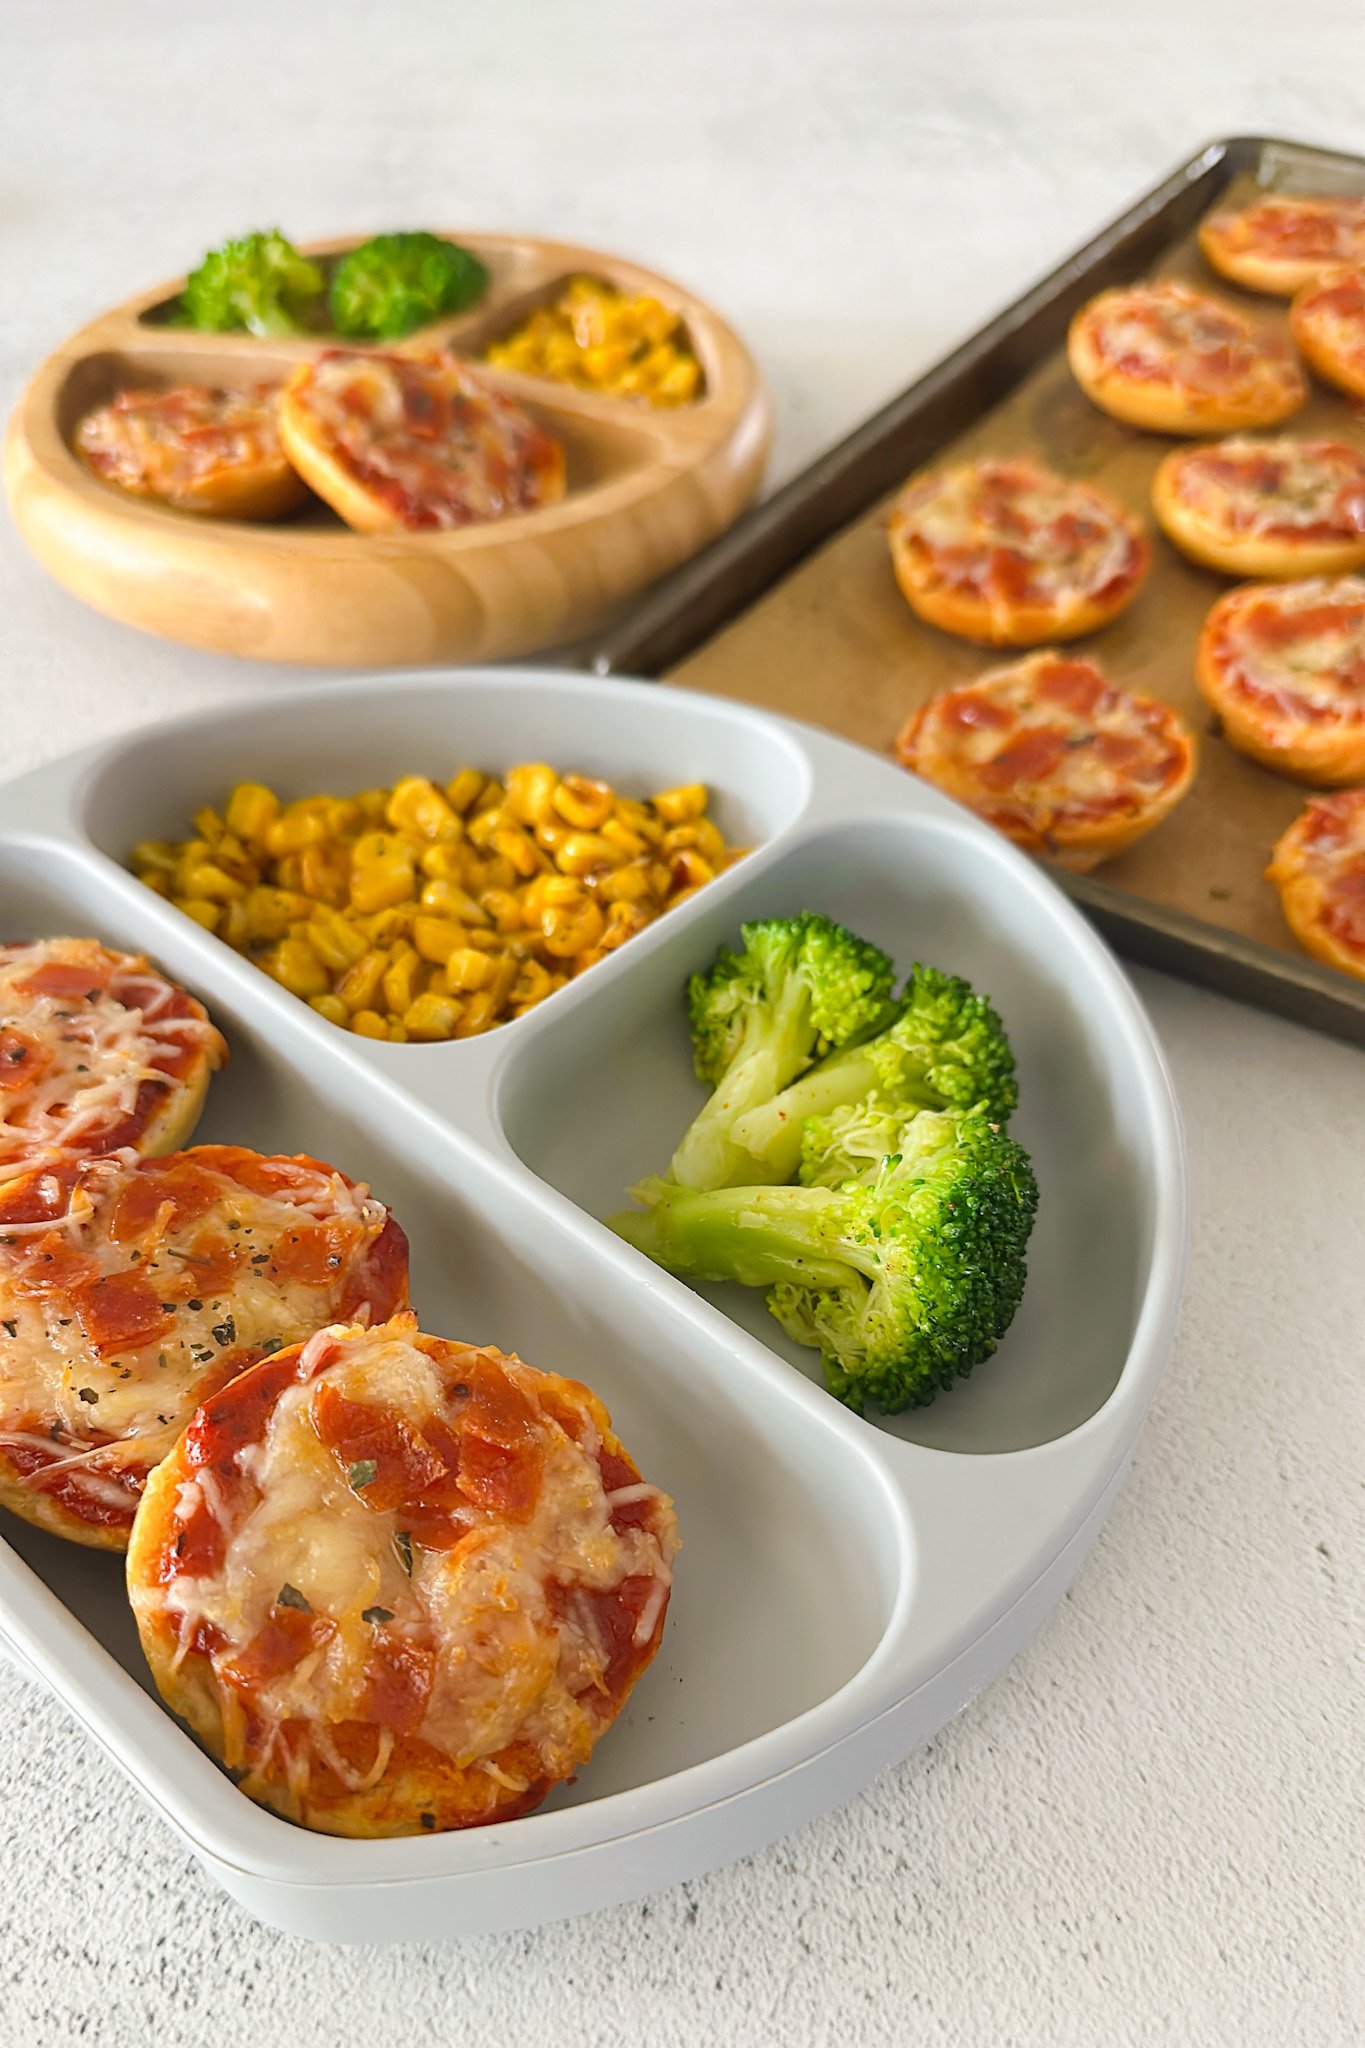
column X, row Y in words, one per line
column 797, row 610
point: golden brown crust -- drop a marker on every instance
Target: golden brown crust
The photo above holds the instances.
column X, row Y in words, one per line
column 940, row 743
column 370, row 499
column 1318, row 342
column 1319, row 751
column 43, row 1511
column 1307, row 886
column 392, row 1780
column 141, row 444
column 1214, row 546
column 995, row 616
column 1280, row 242
column 1269, row 391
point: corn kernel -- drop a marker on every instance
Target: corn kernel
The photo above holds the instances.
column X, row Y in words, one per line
column 324, row 872
column 158, row 884
column 331, row 1007
column 444, row 863
column 462, row 789
column 377, row 884
column 369, row 1024
column 432, row 1016
column 295, row 965
column 625, row 885
column 584, row 851
column 295, row 828
column 208, row 824
column 200, row 909
column 251, row 808
column 359, row 985
column 418, row 806
column 436, row 938
column 523, row 853
column 476, row 1016
column 403, row 978
column 467, row 968
column 678, row 806
column 583, row 803
column 530, row 791
column 208, row 879
column 337, row 942
column 565, row 932
column 448, row 899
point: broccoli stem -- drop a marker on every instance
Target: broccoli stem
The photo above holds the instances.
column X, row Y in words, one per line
column 708, row 1156
column 757, row 1236
column 770, row 1132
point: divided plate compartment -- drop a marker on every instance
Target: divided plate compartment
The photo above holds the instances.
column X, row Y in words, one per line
column 647, row 486
column 796, row 608
column 845, row 1583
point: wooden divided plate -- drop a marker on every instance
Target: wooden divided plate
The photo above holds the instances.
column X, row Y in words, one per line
column 798, row 611
column 647, row 486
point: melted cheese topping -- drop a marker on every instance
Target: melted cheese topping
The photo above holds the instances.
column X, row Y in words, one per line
column 1286, row 487
column 1332, row 315
column 1295, row 650
column 169, row 444
column 1166, row 333
column 1284, row 229
column 499, row 1607
column 134, row 1288
column 1046, row 746
column 428, row 438
column 89, row 1040
column 1012, row 534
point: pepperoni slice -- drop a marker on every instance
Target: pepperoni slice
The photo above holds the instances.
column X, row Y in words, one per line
column 362, row 1433
column 120, row 1312
column 23, row 1060
column 283, row 1641
column 1031, row 758
column 398, row 1681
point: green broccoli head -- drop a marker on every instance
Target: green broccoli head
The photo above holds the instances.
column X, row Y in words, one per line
column 944, row 1048
column 393, row 283
column 758, row 1017
column 259, row 282
column 904, row 1277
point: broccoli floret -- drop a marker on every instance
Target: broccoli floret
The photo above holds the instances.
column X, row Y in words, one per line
column 393, row 283
column 944, row 1048
column 759, row 1017
column 904, row 1277
column 259, row 282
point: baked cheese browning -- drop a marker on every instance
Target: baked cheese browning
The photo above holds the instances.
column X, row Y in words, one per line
column 199, row 449
column 1176, row 360
column 1054, row 755
column 97, row 1051
column 415, row 441
column 1283, row 665
column 1328, row 323
column 1318, row 867
column 396, row 1582
column 1280, row 242
column 1011, row 553
column 1284, row 507
column 132, row 1288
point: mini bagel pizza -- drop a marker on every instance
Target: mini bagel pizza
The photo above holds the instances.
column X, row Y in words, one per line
column 1318, row 866
column 97, row 1052
column 395, row 1583
column 131, row 1289
column 414, row 441
column 199, row 449
column 1280, row 508
column 1178, row 361
column 1280, row 242
column 1010, row 553
column 1283, row 665
column 1055, row 756
column 1327, row 320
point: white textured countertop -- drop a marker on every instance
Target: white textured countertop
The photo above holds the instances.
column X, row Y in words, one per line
column 1149, row 1830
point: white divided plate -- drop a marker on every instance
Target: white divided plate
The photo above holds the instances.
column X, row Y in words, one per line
column 845, row 1585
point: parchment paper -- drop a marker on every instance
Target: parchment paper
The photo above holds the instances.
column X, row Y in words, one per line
column 836, row 644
